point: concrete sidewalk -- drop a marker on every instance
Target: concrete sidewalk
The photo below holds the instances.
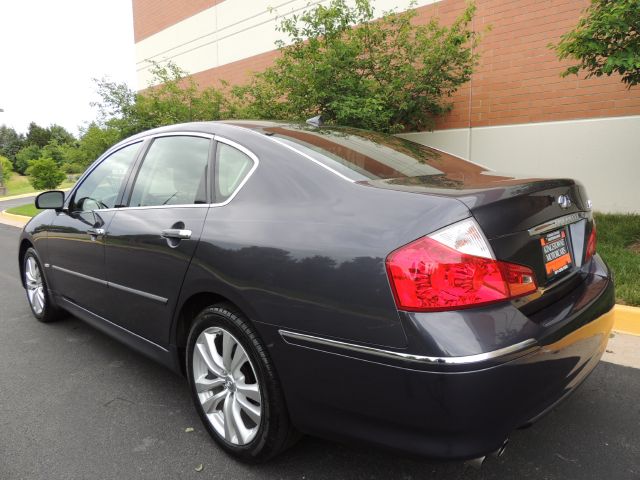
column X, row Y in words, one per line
column 623, row 349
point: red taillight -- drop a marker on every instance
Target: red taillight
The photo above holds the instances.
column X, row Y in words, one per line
column 426, row 275
column 591, row 244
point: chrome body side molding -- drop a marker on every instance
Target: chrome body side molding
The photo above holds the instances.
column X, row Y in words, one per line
column 302, row 340
column 107, row 284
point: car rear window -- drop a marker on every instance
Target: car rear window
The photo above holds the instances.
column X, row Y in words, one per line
column 361, row 155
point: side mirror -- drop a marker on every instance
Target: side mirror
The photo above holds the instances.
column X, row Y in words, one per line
column 50, row 200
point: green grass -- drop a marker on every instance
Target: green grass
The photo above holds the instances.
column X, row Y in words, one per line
column 619, row 245
column 19, row 184
column 28, row 210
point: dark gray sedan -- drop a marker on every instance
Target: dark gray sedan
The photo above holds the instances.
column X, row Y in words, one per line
column 330, row 281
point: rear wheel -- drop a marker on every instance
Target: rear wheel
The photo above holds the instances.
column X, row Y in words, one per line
column 234, row 386
column 36, row 286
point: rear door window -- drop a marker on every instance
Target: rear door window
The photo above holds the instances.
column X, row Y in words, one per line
column 174, row 172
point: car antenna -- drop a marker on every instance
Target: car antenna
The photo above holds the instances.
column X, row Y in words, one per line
column 316, row 121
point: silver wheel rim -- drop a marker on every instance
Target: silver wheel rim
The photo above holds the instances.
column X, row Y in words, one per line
column 35, row 286
column 227, row 386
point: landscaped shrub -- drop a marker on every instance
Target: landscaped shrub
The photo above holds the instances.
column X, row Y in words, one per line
column 45, row 174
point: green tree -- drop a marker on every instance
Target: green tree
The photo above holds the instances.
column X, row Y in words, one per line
column 54, row 151
column 10, row 142
column 24, row 158
column 95, row 140
column 175, row 98
column 386, row 74
column 74, row 159
column 61, row 135
column 45, row 174
column 36, row 135
column 605, row 41
column 6, row 169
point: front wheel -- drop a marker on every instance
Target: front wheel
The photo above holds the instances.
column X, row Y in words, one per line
column 36, row 287
column 235, row 388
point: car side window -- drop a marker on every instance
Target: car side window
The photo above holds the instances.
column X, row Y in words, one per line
column 174, row 172
column 101, row 187
column 232, row 166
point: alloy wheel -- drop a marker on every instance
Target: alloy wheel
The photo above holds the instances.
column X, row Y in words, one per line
column 35, row 285
column 227, row 386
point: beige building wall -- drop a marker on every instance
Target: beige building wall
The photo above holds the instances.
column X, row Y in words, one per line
column 602, row 153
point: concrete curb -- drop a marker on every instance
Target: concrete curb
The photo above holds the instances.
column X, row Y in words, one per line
column 22, row 195
column 626, row 319
column 13, row 220
column 30, row 194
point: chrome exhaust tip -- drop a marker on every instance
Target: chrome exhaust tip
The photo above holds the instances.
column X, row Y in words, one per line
column 499, row 452
column 475, row 462
column 478, row 462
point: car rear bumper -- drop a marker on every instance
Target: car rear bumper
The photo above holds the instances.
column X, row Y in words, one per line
column 461, row 406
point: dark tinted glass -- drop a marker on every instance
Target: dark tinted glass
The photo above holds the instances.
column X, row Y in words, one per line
column 363, row 155
column 232, row 166
column 101, row 187
column 174, row 172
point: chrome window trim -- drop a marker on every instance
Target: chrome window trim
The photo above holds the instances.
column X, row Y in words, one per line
column 522, row 348
column 153, row 207
column 246, row 178
column 293, row 149
column 558, row 222
column 231, row 143
column 94, row 165
column 188, row 133
column 107, row 284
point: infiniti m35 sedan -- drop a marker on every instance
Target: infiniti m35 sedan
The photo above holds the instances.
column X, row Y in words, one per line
column 330, row 281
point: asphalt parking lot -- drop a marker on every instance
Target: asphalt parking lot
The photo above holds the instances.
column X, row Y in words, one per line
column 75, row 404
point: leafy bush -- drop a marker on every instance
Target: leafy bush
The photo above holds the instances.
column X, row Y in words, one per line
column 45, row 174
column 175, row 98
column 10, row 142
column 95, row 140
column 6, row 169
column 386, row 74
column 605, row 41
column 24, row 158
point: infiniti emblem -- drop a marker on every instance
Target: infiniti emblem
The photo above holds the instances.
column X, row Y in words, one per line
column 564, row 201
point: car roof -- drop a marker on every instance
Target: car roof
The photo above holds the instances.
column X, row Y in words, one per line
column 209, row 127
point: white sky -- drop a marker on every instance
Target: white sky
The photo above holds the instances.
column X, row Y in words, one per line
column 49, row 52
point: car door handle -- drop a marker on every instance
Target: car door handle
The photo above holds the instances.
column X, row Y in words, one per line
column 96, row 232
column 176, row 233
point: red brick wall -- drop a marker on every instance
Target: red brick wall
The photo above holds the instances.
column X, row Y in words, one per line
column 152, row 16
column 236, row 73
column 518, row 78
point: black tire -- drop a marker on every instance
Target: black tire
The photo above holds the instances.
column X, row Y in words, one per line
column 274, row 432
column 50, row 312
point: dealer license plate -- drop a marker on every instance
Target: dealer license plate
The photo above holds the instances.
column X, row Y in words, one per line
column 555, row 249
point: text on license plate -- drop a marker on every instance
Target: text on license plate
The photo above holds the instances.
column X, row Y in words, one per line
column 557, row 257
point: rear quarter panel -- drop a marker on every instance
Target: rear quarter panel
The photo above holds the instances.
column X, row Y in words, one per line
column 303, row 249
